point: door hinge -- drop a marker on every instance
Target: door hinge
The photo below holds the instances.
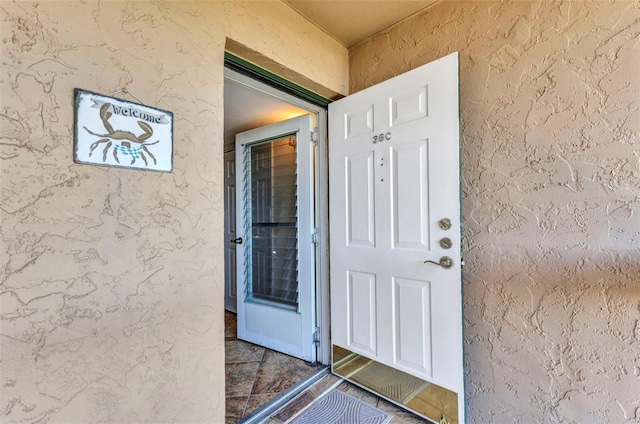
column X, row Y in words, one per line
column 316, row 337
column 314, row 237
column 314, row 135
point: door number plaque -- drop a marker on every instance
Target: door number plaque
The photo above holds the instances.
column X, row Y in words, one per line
column 381, row 137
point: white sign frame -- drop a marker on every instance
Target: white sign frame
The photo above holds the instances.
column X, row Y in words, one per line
column 123, row 134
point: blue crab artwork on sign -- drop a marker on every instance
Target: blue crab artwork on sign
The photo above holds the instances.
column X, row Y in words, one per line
column 123, row 132
column 122, row 139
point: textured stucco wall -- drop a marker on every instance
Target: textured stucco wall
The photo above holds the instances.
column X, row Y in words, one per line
column 550, row 99
column 111, row 286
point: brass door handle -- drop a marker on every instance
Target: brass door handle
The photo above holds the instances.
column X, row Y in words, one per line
column 445, row 262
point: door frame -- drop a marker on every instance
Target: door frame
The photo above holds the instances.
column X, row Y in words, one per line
column 245, row 73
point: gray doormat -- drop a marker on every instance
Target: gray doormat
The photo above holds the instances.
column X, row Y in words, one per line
column 337, row 407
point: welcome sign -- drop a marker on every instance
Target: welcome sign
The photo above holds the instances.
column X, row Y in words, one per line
column 114, row 132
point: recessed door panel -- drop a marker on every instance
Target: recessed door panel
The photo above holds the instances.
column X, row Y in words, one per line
column 358, row 122
column 408, row 106
column 412, row 304
column 230, row 187
column 230, row 259
column 410, row 195
column 362, row 311
column 360, row 199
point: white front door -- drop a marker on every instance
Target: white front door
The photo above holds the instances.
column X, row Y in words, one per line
column 275, row 216
column 230, row 298
column 395, row 203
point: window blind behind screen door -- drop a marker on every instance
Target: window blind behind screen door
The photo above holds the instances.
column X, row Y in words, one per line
column 271, row 254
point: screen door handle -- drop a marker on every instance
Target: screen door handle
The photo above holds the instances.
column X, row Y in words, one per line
column 237, row 240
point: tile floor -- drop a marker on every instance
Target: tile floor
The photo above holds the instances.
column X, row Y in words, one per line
column 255, row 375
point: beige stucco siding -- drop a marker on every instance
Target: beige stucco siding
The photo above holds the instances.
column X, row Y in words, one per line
column 550, row 109
column 112, row 279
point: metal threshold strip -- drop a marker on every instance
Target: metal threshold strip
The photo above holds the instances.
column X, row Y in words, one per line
column 266, row 410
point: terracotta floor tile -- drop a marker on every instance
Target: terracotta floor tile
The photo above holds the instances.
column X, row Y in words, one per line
column 240, row 351
column 234, row 408
column 278, row 372
column 240, row 378
column 230, row 325
column 260, row 373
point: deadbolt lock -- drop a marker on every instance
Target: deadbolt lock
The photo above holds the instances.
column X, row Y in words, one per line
column 445, row 223
column 446, row 243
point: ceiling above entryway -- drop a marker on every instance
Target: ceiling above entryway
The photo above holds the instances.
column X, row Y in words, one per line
column 350, row 22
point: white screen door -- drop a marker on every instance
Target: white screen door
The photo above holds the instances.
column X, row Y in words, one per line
column 276, row 285
column 396, row 321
